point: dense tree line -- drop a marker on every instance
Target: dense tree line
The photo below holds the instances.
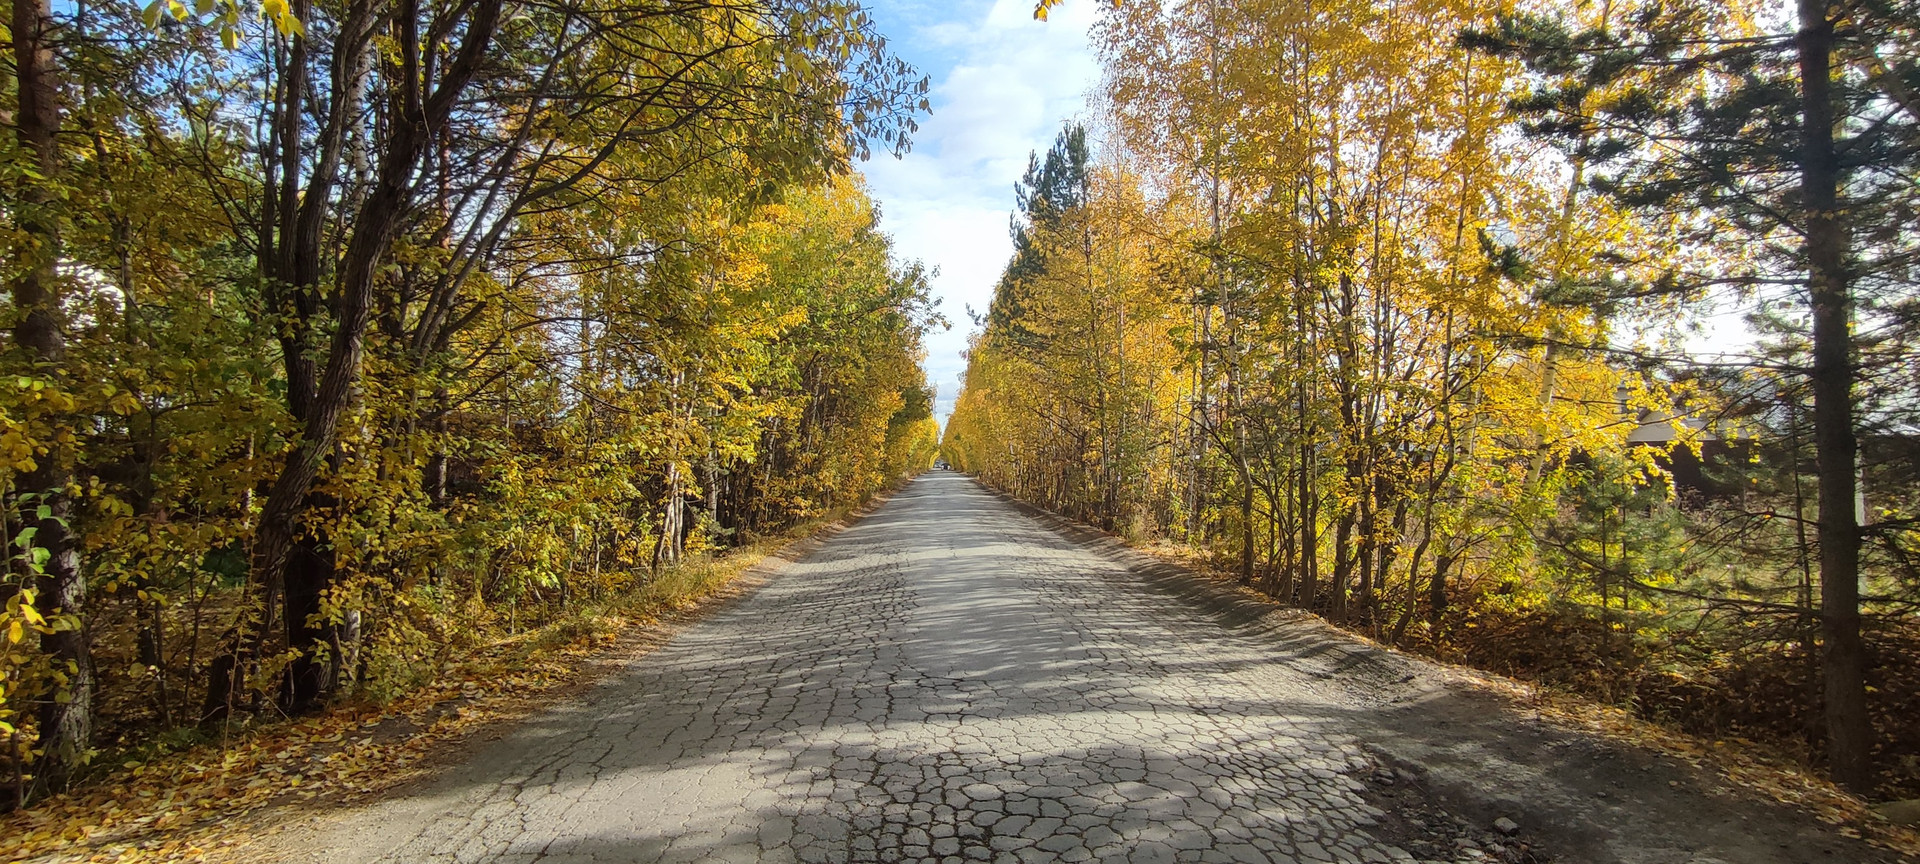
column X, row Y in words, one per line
column 345, row 335
column 1385, row 305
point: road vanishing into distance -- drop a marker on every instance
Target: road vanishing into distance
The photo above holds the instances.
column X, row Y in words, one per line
column 954, row 678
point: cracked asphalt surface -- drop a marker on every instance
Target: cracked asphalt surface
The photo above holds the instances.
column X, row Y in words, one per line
column 949, row 680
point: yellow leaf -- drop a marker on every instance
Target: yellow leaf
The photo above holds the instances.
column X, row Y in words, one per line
column 123, row 403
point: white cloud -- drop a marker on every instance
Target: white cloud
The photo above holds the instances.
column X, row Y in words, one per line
column 1003, row 85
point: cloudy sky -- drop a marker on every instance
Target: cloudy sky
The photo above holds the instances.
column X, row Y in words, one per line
column 1002, row 85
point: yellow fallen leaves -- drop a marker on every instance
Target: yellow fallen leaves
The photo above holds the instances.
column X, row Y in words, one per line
column 176, row 807
column 1735, row 761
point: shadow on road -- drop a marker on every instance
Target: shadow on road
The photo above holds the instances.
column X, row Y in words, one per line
column 955, row 674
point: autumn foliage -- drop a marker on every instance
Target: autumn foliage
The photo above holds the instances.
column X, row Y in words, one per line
column 353, row 339
column 1387, row 310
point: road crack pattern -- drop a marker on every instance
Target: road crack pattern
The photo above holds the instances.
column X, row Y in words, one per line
column 948, row 680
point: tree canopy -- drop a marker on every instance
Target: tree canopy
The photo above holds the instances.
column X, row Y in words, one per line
column 1386, row 307
column 357, row 332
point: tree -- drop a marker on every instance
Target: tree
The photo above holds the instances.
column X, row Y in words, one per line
column 44, row 490
column 1796, row 135
column 569, row 96
column 486, row 314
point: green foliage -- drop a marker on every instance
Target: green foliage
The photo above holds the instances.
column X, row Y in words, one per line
column 633, row 309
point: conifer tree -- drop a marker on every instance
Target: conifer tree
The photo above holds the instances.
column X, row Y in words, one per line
column 1800, row 137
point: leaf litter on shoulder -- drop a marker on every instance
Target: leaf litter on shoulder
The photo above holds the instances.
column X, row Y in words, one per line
column 1736, row 763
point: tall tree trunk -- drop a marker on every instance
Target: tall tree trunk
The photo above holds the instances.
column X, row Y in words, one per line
column 1389, row 552
column 1342, row 566
column 417, row 108
column 1827, row 245
column 66, row 723
column 1364, row 550
column 309, row 574
column 666, row 549
column 1246, row 522
column 434, row 479
column 1309, row 532
column 1437, row 594
column 1309, row 511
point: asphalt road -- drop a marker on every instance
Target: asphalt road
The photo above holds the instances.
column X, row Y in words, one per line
column 949, row 679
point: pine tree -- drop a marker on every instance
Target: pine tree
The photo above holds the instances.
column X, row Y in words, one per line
column 1794, row 137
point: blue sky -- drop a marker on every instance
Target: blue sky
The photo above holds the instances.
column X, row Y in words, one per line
column 1002, row 85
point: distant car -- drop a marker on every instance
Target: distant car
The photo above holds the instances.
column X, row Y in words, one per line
column 940, row 464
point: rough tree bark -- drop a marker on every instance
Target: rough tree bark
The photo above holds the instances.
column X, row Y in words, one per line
column 1827, row 244
column 65, row 719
